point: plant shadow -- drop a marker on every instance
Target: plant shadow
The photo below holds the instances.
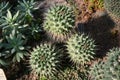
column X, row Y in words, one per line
column 103, row 31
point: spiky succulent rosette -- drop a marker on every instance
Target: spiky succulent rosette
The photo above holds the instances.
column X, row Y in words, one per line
column 44, row 60
column 108, row 70
column 81, row 48
column 59, row 22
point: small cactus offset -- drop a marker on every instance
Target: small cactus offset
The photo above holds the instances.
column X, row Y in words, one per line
column 44, row 60
column 113, row 7
column 59, row 22
column 81, row 48
column 110, row 69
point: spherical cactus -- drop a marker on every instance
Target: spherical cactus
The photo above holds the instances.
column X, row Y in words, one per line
column 112, row 65
column 59, row 22
column 110, row 69
column 97, row 71
column 44, row 60
column 81, row 48
column 113, row 7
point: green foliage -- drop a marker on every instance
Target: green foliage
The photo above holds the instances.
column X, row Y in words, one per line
column 97, row 71
column 59, row 21
column 9, row 22
column 44, row 60
column 15, row 46
column 81, row 48
column 108, row 70
column 4, row 6
column 26, row 7
column 113, row 7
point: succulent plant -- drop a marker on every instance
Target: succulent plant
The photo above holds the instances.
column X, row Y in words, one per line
column 9, row 22
column 112, row 66
column 4, row 6
column 108, row 70
column 44, row 60
column 81, row 48
column 26, row 7
column 113, row 7
column 15, row 46
column 97, row 71
column 59, row 21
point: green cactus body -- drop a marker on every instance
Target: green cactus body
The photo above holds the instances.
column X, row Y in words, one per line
column 110, row 69
column 112, row 65
column 81, row 48
column 113, row 7
column 59, row 22
column 44, row 60
column 97, row 71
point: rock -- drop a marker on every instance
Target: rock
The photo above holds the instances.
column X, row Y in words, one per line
column 2, row 75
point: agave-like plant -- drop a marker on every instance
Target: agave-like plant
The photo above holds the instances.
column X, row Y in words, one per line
column 44, row 60
column 59, row 22
column 15, row 46
column 81, row 48
column 4, row 6
column 26, row 8
column 9, row 22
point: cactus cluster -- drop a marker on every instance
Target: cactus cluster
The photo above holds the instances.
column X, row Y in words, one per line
column 44, row 60
column 81, row 48
column 113, row 7
column 59, row 22
column 108, row 70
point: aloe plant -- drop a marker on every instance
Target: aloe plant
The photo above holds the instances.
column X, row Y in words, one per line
column 15, row 46
column 4, row 6
column 9, row 22
column 26, row 8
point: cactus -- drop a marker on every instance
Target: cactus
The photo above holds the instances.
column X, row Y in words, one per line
column 81, row 48
column 97, row 71
column 113, row 7
column 108, row 70
column 44, row 60
column 59, row 22
column 112, row 65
